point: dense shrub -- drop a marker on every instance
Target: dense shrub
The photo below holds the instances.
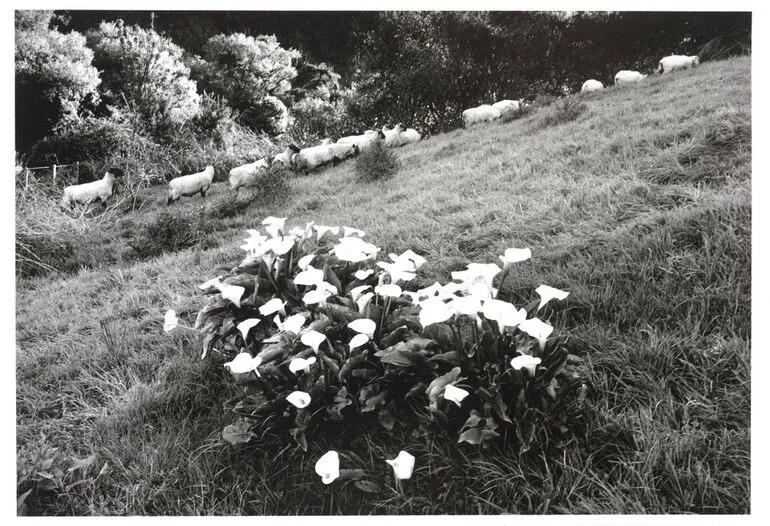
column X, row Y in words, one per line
column 168, row 232
column 321, row 343
column 377, row 163
column 566, row 110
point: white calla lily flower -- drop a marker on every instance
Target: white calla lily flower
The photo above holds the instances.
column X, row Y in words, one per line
column 170, row 321
column 363, row 274
column 321, row 230
column 388, row 291
column 349, row 231
column 548, row 293
column 358, row 340
column 271, row 220
column 282, row 246
column 328, row 467
column 310, row 277
column 527, row 362
column 298, row 399
column 275, row 231
column 233, row 293
column 272, row 306
column 415, row 260
column 504, row 313
column 246, row 325
column 313, row 339
column 515, row 255
column 434, row 310
column 363, row 301
column 538, row 329
column 455, row 394
column 293, row 323
column 304, row 261
column 466, row 305
column 356, row 292
column 403, row 465
column 396, row 271
column 301, row 364
column 315, row 296
column 354, row 249
column 243, row 363
column 363, row 326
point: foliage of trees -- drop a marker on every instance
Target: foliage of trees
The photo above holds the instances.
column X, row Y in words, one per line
column 54, row 75
column 143, row 74
column 204, row 75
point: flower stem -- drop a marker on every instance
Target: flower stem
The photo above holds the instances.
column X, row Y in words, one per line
column 506, row 271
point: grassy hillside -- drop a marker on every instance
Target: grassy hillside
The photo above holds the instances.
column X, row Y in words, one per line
column 640, row 206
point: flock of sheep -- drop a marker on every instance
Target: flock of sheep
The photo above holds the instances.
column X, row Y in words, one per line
column 307, row 159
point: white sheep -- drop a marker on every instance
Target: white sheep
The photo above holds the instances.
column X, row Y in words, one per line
column 393, row 137
column 591, row 85
column 483, row 113
column 284, row 158
column 410, row 136
column 365, row 141
column 189, row 185
column 507, row 106
column 247, row 174
column 625, row 76
column 676, row 62
column 92, row 192
column 342, row 151
column 311, row 158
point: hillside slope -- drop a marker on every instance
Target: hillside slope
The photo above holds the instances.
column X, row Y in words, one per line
column 640, row 207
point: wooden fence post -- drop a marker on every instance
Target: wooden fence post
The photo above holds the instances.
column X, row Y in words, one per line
column 54, row 175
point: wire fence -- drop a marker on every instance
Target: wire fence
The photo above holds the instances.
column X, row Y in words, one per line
column 57, row 174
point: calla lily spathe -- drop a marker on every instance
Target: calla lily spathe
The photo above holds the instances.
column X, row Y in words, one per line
column 277, row 221
column 356, row 292
column 313, row 339
column 349, row 231
column 246, row 325
column 233, row 293
column 272, row 306
column 298, row 399
column 309, row 277
column 358, row 340
column 304, row 261
column 434, row 310
column 548, row 293
column 328, row 467
column 388, row 291
column 321, row 230
column 538, row 329
column 363, row 274
column 504, row 313
column 527, row 362
column 293, row 323
column 301, row 364
column 363, row 301
column 354, row 249
column 363, row 326
column 170, row 321
column 403, row 465
column 515, row 255
column 243, row 363
column 455, row 394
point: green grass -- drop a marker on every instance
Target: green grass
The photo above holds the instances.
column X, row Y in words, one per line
column 639, row 204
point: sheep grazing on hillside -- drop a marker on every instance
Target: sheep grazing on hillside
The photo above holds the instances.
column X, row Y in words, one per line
column 410, row 135
column 483, row 113
column 365, row 141
column 393, row 137
column 189, row 185
column 342, row 151
column 591, row 85
column 284, row 158
column 93, row 192
column 247, row 174
column 625, row 76
column 506, row 107
column 309, row 159
column 676, row 62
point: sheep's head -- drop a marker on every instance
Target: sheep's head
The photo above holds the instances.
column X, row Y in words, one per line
column 381, row 135
column 115, row 172
column 696, row 60
column 294, row 148
column 209, row 170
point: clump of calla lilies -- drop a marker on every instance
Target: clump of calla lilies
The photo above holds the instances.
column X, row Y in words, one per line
column 323, row 331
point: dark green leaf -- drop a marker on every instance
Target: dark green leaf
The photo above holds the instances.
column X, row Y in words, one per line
column 237, row 433
column 374, row 402
column 368, row 486
column 437, row 386
column 331, row 277
column 386, row 418
column 299, row 437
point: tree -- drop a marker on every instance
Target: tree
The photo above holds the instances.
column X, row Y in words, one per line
column 143, row 75
column 246, row 71
column 54, row 76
